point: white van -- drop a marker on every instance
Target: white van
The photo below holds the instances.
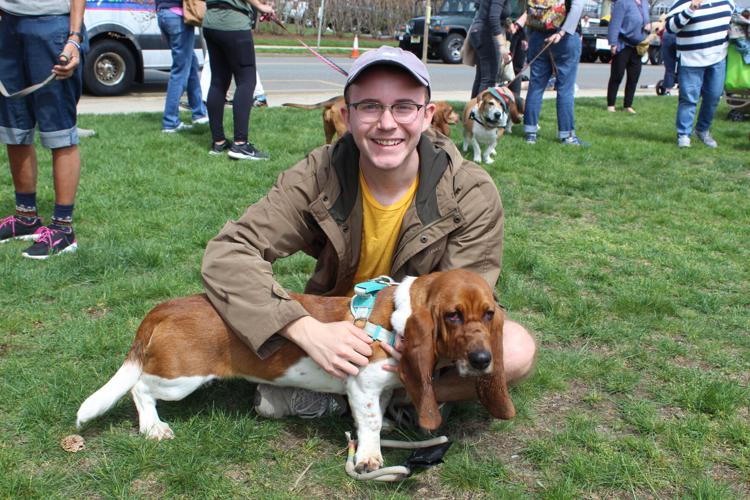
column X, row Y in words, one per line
column 125, row 40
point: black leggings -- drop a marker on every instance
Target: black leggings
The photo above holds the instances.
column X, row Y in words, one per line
column 488, row 60
column 231, row 53
column 627, row 59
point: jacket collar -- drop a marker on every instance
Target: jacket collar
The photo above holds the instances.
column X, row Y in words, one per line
column 433, row 161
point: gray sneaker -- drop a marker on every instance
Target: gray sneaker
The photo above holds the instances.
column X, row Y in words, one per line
column 683, row 141
column 706, row 139
column 278, row 402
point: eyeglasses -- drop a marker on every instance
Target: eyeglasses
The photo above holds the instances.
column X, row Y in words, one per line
column 402, row 112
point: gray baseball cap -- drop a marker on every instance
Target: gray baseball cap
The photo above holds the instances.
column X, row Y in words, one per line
column 390, row 56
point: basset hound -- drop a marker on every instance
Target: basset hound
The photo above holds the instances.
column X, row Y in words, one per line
column 446, row 318
column 486, row 118
column 334, row 124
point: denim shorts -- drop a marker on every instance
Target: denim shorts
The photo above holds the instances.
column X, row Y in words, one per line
column 29, row 47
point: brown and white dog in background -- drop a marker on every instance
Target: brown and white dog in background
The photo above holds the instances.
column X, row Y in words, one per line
column 446, row 318
column 334, row 124
column 486, row 118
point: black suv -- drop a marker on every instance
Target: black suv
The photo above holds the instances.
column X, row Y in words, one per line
column 448, row 28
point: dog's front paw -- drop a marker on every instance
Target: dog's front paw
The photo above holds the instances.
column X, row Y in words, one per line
column 160, row 431
column 369, row 464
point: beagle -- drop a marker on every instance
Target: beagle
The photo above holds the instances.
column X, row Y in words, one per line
column 446, row 317
column 334, row 124
column 487, row 117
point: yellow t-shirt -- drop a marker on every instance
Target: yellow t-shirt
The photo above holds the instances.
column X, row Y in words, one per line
column 380, row 228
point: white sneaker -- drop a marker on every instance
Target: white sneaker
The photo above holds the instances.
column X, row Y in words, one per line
column 706, row 139
column 203, row 120
column 683, row 141
column 178, row 128
column 279, row 402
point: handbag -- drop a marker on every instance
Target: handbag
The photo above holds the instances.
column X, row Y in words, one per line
column 468, row 55
column 193, row 12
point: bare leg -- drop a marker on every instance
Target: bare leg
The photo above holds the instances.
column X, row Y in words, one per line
column 66, row 167
column 23, row 167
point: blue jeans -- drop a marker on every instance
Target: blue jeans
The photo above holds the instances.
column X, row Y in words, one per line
column 566, row 54
column 701, row 82
column 29, row 47
column 669, row 58
column 184, row 72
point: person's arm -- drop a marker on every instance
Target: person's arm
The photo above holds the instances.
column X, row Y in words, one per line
column 571, row 20
column 71, row 50
column 239, row 281
column 261, row 6
column 495, row 23
column 680, row 13
column 615, row 23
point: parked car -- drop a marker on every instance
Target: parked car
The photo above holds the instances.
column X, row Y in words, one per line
column 447, row 31
column 125, row 41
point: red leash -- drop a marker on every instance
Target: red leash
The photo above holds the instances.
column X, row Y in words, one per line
column 333, row 65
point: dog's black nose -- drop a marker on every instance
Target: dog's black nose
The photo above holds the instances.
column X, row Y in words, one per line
column 480, row 359
column 498, row 114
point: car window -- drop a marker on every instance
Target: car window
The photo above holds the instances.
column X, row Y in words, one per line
column 460, row 6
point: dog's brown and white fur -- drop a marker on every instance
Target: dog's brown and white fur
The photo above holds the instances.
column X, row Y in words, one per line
column 334, row 124
column 447, row 317
column 486, row 118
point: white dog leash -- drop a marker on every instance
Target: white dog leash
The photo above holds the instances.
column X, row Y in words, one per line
column 28, row 90
column 394, row 473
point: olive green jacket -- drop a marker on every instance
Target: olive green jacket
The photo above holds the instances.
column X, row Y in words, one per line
column 455, row 221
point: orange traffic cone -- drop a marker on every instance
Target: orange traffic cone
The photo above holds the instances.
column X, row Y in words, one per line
column 355, row 48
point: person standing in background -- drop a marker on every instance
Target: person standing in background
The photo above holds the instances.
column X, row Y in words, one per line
column 184, row 72
column 627, row 29
column 702, row 29
column 487, row 37
column 669, row 59
column 227, row 29
column 37, row 39
column 563, row 46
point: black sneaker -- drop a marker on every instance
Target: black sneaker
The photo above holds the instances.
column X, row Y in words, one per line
column 246, row 151
column 19, row 228
column 51, row 241
column 219, row 149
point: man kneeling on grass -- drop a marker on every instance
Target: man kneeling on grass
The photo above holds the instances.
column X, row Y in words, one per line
column 389, row 198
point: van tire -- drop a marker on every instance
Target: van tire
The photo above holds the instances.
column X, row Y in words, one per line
column 109, row 68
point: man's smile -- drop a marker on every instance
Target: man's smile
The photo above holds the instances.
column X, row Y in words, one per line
column 387, row 142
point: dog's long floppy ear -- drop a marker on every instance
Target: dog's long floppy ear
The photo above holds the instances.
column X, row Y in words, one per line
column 516, row 116
column 415, row 367
column 492, row 389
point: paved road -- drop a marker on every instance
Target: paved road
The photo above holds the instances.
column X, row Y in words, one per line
column 292, row 78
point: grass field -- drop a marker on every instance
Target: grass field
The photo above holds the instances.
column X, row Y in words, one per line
column 629, row 260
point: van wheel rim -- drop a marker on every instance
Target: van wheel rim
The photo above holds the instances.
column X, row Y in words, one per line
column 109, row 69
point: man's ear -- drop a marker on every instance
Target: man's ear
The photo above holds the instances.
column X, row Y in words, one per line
column 429, row 111
column 492, row 389
column 345, row 115
column 416, row 365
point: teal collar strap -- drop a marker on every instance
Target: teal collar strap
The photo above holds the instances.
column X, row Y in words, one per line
column 362, row 304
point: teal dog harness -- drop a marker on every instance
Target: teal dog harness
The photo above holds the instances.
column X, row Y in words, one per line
column 362, row 304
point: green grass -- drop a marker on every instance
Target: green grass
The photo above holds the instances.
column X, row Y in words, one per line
column 629, row 260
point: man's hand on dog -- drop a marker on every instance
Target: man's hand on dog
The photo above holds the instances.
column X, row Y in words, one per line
column 339, row 348
column 394, row 352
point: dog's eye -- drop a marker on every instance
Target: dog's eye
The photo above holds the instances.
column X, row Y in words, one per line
column 488, row 316
column 454, row 317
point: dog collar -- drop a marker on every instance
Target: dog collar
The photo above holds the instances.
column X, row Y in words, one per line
column 362, row 304
column 473, row 116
